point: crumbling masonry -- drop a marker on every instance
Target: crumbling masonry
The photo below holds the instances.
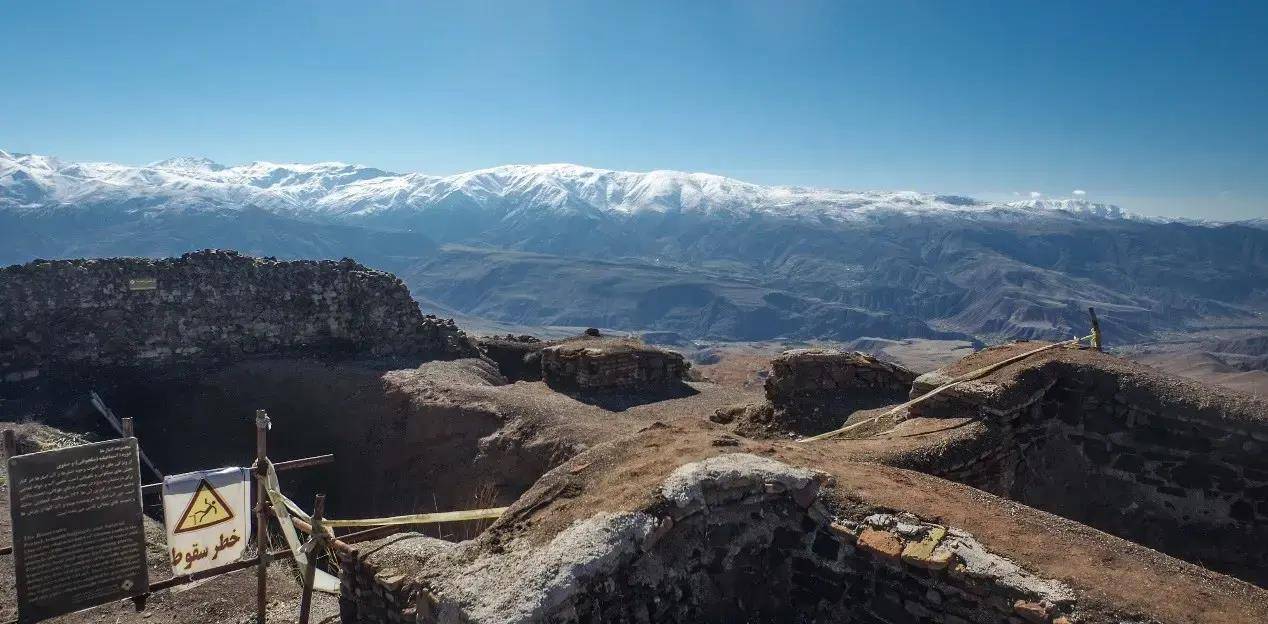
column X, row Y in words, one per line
column 1073, row 487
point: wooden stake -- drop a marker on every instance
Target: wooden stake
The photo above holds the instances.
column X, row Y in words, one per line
column 10, row 450
column 10, row 445
column 261, row 511
column 310, row 573
column 108, row 414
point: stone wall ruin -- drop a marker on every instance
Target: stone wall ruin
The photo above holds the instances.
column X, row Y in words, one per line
column 737, row 538
column 611, row 365
column 1151, row 460
column 66, row 316
column 810, row 391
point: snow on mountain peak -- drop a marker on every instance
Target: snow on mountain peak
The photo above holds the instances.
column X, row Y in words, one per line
column 1077, row 206
column 335, row 190
column 188, row 163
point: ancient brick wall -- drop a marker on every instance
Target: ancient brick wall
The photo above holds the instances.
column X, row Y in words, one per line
column 598, row 365
column 740, row 539
column 810, row 391
column 812, row 374
column 212, row 306
column 773, row 562
column 1128, row 455
column 365, row 595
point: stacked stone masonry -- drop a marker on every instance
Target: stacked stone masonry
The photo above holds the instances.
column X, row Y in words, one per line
column 1106, row 449
column 206, row 307
column 810, row 374
column 810, row 391
column 367, row 596
column 739, row 544
column 607, row 365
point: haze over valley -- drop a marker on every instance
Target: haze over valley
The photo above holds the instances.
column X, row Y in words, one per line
column 704, row 256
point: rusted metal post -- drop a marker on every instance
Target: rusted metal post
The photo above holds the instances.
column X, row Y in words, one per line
column 1096, row 330
column 261, row 512
column 316, row 541
column 127, row 431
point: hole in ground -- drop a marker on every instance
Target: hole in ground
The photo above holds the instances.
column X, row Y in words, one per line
column 396, row 451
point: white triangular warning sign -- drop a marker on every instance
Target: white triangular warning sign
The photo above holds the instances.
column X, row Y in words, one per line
column 206, row 508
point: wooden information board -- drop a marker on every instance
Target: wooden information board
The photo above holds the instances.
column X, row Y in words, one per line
column 78, row 540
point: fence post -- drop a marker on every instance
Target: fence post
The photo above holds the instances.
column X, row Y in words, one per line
column 316, row 541
column 261, row 511
column 10, row 447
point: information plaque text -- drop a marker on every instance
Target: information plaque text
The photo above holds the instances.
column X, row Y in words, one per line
column 78, row 540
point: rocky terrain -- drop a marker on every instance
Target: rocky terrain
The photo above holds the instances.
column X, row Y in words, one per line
column 1072, row 487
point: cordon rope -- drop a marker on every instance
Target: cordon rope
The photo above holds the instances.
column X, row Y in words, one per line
column 969, row 376
column 427, row 518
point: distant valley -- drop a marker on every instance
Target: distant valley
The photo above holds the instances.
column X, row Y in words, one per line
column 700, row 255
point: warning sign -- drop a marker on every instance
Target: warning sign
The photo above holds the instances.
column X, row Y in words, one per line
column 205, row 509
column 207, row 517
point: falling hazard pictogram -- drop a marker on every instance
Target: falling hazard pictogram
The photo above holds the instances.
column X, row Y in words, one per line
column 205, row 509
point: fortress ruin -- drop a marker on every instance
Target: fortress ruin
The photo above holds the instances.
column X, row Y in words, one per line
column 1072, row 487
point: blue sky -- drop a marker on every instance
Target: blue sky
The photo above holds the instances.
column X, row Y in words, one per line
column 1159, row 106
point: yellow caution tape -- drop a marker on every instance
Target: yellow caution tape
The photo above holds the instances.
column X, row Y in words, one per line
column 970, row 376
column 427, row 518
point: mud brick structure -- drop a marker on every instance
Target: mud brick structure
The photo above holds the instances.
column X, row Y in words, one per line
column 601, row 364
column 203, row 308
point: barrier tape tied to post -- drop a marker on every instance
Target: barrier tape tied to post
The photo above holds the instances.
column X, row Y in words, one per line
column 322, row 581
column 969, row 376
column 427, row 518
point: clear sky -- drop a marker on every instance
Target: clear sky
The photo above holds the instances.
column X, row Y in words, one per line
column 1159, row 106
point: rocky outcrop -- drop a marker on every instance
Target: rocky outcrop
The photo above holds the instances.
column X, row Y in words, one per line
column 65, row 316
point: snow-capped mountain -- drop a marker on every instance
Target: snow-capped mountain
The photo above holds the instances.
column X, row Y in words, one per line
column 347, row 193
column 695, row 253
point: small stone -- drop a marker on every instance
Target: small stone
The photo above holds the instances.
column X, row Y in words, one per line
column 883, row 544
column 845, row 532
column 806, row 495
column 926, row 554
column 1033, row 612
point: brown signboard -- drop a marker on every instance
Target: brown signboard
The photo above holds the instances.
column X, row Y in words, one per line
column 78, row 540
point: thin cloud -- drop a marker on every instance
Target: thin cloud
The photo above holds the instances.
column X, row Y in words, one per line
column 1079, row 192
column 1035, row 194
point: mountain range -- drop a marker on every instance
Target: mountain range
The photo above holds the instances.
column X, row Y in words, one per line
column 699, row 254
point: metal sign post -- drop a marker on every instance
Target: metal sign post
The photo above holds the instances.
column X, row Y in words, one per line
column 261, row 511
